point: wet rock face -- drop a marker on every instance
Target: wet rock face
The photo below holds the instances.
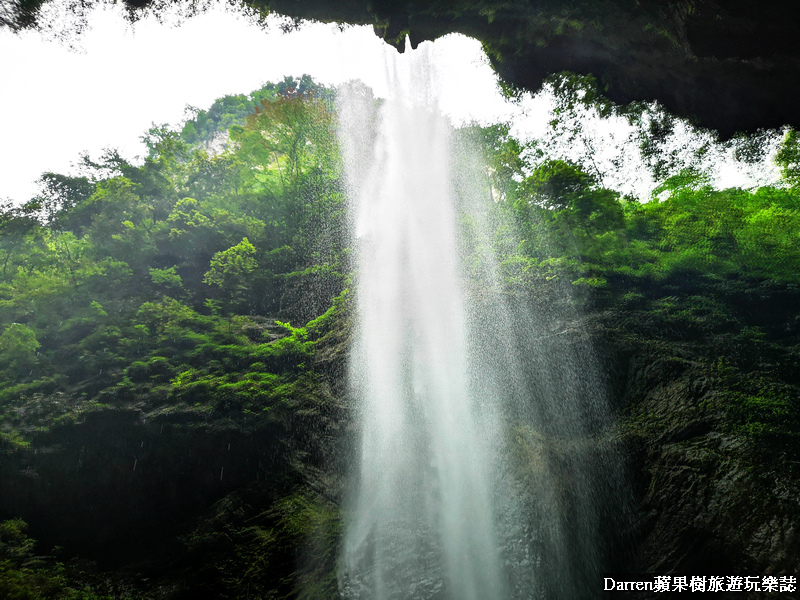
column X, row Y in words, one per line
column 115, row 480
column 709, row 501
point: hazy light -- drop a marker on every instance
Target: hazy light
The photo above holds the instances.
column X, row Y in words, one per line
column 60, row 102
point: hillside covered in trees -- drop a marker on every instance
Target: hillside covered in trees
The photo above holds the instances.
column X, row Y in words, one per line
column 174, row 415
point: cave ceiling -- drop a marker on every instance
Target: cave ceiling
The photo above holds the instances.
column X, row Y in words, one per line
column 726, row 65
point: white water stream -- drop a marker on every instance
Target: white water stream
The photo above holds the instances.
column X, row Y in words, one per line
column 424, row 524
column 435, row 511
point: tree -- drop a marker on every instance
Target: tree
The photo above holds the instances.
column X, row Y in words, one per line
column 556, row 184
column 288, row 137
column 788, row 158
column 20, row 237
column 59, row 194
column 231, row 272
column 18, row 346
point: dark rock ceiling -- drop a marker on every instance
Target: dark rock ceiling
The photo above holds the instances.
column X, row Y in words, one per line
column 730, row 65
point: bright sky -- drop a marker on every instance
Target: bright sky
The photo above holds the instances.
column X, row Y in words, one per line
column 58, row 103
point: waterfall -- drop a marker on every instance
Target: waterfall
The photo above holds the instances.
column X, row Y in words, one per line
column 436, row 512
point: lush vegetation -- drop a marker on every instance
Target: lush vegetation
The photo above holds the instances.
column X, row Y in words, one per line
column 568, row 222
column 206, row 290
column 175, row 286
column 146, row 272
column 693, row 274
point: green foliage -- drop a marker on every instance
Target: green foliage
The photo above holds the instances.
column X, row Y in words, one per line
column 18, row 347
column 788, row 158
column 157, row 369
column 167, row 279
column 14, row 544
column 286, row 551
column 163, row 261
column 231, row 112
column 231, row 271
column 688, row 228
column 24, row 576
column 573, row 90
column 557, row 184
column 59, row 194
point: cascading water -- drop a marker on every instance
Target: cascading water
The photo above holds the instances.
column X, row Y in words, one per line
column 424, row 519
column 436, row 512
